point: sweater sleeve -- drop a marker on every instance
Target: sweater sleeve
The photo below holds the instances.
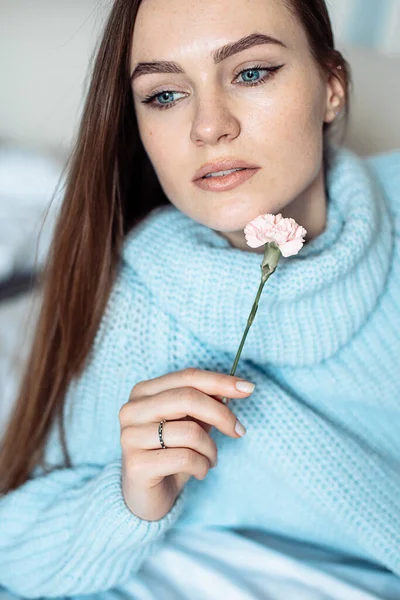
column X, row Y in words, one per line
column 70, row 532
column 67, row 530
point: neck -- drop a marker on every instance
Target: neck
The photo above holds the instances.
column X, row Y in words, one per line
column 309, row 209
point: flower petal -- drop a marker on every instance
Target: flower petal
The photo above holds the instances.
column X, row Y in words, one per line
column 274, row 228
column 292, row 247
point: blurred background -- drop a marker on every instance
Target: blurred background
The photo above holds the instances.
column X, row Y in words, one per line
column 45, row 49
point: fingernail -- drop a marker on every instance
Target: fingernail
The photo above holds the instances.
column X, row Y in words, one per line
column 239, row 428
column 244, row 386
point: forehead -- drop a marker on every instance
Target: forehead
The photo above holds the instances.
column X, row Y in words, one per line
column 178, row 28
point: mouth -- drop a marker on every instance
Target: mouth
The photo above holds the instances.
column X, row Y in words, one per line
column 222, row 173
column 222, row 167
column 225, row 180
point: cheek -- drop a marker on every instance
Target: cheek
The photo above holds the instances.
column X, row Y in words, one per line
column 149, row 133
column 298, row 104
column 292, row 123
column 310, row 104
column 157, row 146
column 164, row 154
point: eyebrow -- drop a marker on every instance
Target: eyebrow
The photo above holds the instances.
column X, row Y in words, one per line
column 162, row 66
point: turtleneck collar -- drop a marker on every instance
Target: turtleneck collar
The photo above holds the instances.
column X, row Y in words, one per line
column 312, row 305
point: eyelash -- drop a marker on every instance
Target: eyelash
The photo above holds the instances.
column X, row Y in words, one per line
column 151, row 100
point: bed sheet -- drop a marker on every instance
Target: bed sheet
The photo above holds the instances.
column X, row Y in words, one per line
column 215, row 563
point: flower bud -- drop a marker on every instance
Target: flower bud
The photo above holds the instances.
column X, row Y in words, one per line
column 271, row 258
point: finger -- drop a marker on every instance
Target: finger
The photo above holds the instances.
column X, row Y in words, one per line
column 152, row 466
column 209, row 382
column 176, row 434
column 177, row 403
column 219, row 397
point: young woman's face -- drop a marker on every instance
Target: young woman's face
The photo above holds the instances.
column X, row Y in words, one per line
column 212, row 110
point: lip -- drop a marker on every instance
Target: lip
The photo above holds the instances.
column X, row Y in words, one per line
column 226, row 182
column 222, row 165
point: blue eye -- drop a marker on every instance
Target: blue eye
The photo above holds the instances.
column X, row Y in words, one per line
column 254, row 70
column 163, row 94
column 269, row 73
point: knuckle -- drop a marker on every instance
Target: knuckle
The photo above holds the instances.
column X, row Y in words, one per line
column 193, row 431
column 127, row 413
column 121, row 413
column 125, row 437
column 136, row 389
column 180, row 392
column 190, row 373
column 122, row 417
column 186, row 395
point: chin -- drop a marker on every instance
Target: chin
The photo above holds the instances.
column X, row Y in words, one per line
column 226, row 222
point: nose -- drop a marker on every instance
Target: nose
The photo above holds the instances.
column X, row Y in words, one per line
column 213, row 120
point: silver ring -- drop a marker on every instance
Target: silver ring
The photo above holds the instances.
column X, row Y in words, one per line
column 160, row 432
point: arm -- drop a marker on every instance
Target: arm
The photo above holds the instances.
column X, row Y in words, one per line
column 69, row 531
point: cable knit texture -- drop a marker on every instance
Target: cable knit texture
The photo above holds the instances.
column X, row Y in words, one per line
column 321, row 458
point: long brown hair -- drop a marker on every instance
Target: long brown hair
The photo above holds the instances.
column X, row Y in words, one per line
column 110, row 187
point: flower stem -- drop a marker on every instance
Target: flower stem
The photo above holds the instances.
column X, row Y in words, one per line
column 250, row 320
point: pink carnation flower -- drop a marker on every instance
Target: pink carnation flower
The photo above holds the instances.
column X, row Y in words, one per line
column 286, row 233
column 281, row 237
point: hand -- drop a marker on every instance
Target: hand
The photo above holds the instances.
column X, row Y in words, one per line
column 153, row 477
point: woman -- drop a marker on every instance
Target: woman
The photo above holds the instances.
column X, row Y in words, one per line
column 147, row 291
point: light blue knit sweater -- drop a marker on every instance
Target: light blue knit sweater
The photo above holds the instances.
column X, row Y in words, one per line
column 321, row 458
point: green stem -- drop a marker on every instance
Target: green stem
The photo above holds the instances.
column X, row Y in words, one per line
column 250, row 320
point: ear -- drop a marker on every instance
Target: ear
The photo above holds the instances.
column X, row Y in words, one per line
column 335, row 96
